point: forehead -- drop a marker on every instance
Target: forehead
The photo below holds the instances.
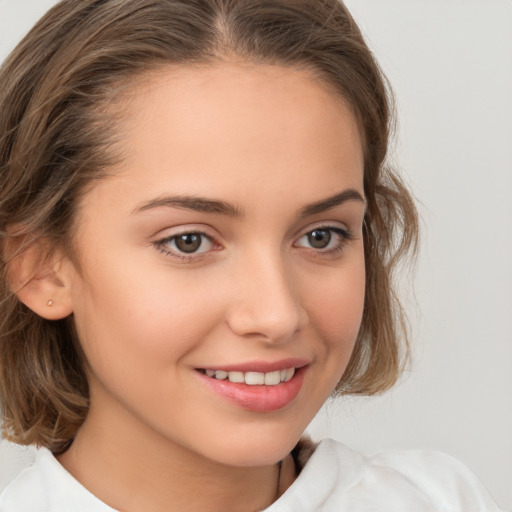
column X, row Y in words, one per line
column 237, row 128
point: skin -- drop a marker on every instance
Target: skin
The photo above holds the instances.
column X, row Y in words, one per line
column 268, row 141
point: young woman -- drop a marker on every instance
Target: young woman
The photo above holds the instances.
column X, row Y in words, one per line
column 198, row 238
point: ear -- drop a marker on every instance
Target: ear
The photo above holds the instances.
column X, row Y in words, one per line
column 41, row 280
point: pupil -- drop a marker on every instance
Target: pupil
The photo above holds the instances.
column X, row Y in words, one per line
column 319, row 238
column 189, row 242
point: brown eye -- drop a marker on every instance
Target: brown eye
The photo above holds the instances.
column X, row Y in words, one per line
column 324, row 239
column 319, row 238
column 188, row 242
column 187, row 245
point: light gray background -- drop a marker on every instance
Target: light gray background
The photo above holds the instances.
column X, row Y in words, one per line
column 450, row 62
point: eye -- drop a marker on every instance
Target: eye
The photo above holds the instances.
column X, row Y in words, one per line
column 324, row 238
column 185, row 244
column 190, row 242
column 319, row 238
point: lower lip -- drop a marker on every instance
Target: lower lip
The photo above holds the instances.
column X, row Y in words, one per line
column 258, row 398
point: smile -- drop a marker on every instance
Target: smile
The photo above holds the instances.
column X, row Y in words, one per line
column 273, row 387
column 253, row 378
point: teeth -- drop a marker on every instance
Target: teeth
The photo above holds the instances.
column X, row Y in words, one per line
column 254, row 378
column 236, row 377
column 290, row 372
column 272, row 378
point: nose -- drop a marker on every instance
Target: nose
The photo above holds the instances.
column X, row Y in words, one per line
column 265, row 300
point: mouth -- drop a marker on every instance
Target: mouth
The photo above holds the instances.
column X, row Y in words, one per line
column 257, row 387
column 252, row 378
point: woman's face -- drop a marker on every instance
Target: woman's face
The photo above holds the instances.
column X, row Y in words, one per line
column 222, row 269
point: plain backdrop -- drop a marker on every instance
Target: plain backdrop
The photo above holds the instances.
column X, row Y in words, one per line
column 450, row 62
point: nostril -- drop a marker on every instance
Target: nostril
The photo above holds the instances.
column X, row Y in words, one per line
column 271, row 323
column 265, row 302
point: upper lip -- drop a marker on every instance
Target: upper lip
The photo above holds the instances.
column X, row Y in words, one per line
column 260, row 366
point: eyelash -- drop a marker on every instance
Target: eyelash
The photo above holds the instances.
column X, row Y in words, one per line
column 344, row 236
column 163, row 244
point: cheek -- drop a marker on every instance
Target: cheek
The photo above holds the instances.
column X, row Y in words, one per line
column 337, row 307
column 342, row 312
column 335, row 312
column 131, row 319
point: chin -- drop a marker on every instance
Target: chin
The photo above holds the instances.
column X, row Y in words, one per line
column 251, row 455
column 262, row 448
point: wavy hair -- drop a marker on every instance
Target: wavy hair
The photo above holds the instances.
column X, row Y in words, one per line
column 56, row 137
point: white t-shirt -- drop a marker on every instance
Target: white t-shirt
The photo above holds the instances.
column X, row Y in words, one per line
column 335, row 479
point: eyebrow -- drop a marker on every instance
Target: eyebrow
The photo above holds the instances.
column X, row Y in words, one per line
column 198, row 204
column 201, row 204
column 331, row 202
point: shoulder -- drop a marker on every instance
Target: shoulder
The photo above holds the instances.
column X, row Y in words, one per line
column 447, row 482
column 46, row 486
column 25, row 491
column 338, row 478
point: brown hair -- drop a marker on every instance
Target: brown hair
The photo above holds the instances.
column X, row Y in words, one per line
column 55, row 137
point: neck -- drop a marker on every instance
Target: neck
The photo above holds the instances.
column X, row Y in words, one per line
column 130, row 469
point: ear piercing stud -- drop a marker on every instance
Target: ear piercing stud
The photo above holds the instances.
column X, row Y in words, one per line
column 50, row 303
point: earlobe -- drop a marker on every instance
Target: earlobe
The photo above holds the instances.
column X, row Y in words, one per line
column 40, row 282
column 47, row 296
